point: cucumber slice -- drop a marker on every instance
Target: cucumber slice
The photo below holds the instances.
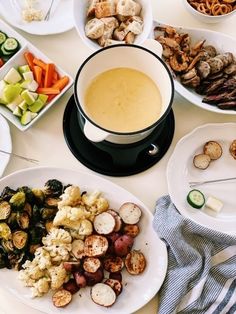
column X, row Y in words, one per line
column 196, row 199
column 4, row 52
column 3, row 37
column 11, row 45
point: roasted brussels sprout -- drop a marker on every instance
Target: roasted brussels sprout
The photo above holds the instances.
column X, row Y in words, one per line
column 36, row 234
column 23, row 220
column 28, row 209
column 7, row 245
column 5, row 210
column 3, row 258
column 38, row 196
column 28, row 193
column 48, row 213
column 36, row 215
column 53, row 188
column 51, row 202
column 16, row 260
column 5, row 231
column 33, row 248
column 12, row 221
column 49, row 225
column 17, row 201
column 7, row 193
column 19, row 239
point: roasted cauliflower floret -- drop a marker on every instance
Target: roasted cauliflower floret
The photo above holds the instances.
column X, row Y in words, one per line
column 95, row 203
column 32, row 270
column 58, row 276
column 41, row 287
column 42, row 258
column 70, row 216
column 58, row 244
column 70, row 197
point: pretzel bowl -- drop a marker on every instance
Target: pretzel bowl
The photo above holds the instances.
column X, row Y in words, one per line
column 211, row 11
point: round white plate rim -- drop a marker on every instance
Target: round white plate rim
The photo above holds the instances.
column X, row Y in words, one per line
column 204, row 220
column 46, row 30
column 6, row 144
column 187, row 93
column 60, row 171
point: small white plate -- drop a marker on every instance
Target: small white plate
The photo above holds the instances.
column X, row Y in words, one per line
column 61, row 19
column 222, row 43
column 180, row 171
column 5, row 144
column 137, row 290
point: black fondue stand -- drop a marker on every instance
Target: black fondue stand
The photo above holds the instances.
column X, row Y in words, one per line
column 116, row 159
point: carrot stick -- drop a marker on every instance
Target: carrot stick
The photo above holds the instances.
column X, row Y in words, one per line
column 29, row 57
column 48, row 90
column 50, row 68
column 61, row 83
column 40, row 63
column 38, row 72
column 50, row 97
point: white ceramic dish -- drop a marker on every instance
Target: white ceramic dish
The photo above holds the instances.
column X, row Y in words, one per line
column 207, row 18
column 137, row 290
column 17, row 60
column 222, row 43
column 61, row 19
column 180, row 171
column 80, row 9
column 5, row 144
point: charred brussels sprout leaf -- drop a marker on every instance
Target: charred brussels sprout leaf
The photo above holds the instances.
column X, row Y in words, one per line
column 48, row 213
column 23, row 220
column 36, row 234
column 7, row 246
column 5, row 231
column 5, row 210
column 51, row 202
column 16, row 260
column 36, row 215
column 12, row 221
column 7, row 193
column 17, row 201
column 28, row 209
column 38, row 196
column 28, row 193
column 19, row 239
column 53, row 188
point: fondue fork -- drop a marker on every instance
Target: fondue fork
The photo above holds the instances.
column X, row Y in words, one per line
column 19, row 156
column 196, row 183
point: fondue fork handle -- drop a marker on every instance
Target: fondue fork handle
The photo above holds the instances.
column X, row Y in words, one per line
column 196, row 183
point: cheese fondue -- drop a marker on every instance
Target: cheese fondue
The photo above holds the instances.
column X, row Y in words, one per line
column 123, row 100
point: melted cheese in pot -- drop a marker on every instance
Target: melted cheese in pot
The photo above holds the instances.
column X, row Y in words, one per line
column 123, row 100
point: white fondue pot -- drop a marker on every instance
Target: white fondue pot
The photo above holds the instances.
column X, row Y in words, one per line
column 146, row 59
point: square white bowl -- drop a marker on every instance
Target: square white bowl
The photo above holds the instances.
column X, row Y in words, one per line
column 18, row 60
column 80, row 19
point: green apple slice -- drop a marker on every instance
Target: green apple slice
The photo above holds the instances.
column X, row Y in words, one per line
column 28, row 76
column 11, row 92
column 11, row 106
column 26, row 118
column 28, row 97
column 23, row 105
column 43, row 98
column 12, row 76
column 37, row 106
column 24, row 68
column 17, row 112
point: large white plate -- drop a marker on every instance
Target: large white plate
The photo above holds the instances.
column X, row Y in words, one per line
column 222, row 43
column 61, row 19
column 180, row 171
column 5, row 144
column 138, row 290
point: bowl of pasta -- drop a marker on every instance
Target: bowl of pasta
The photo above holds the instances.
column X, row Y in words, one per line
column 211, row 11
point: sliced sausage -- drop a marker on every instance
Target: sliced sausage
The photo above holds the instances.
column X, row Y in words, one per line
column 118, row 221
column 213, row 149
column 93, row 278
column 113, row 264
column 123, row 245
column 131, row 230
column 116, row 285
column 104, row 223
column 135, row 262
column 103, row 295
column 117, row 276
column 80, row 279
column 71, row 266
column 91, row 264
column 95, row 246
column 61, row 298
column 71, row 286
column 130, row 213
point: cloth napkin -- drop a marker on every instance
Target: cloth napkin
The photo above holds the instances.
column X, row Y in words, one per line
column 201, row 274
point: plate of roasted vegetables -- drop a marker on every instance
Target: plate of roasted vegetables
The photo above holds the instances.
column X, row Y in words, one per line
column 76, row 241
column 203, row 64
column 201, row 176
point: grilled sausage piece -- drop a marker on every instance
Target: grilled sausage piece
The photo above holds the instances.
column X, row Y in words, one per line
column 103, row 295
column 135, row 262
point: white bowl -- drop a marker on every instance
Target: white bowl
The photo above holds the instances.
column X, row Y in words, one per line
column 80, row 18
column 207, row 18
column 18, row 60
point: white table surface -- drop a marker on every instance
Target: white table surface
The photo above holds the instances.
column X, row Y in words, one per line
column 45, row 141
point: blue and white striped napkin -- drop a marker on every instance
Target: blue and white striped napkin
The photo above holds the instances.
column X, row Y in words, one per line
column 201, row 275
